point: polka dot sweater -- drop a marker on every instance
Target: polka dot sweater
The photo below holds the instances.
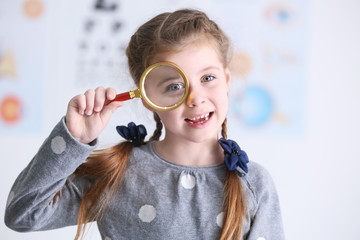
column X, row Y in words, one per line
column 158, row 199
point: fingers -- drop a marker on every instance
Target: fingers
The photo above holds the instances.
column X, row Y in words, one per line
column 78, row 104
column 90, row 99
column 99, row 99
column 110, row 93
column 95, row 100
column 87, row 115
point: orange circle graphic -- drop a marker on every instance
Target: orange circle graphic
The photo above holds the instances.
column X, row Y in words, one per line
column 10, row 109
column 240, row 64
column 33, row 8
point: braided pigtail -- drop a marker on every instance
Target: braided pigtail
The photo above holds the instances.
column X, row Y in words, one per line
column 157, row 133
column 106, row 168
column 224, row 129
column 234, row 202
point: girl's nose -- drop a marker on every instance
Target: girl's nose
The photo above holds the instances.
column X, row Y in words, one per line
column 194, row 99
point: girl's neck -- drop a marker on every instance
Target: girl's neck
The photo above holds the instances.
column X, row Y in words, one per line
column 189, row 153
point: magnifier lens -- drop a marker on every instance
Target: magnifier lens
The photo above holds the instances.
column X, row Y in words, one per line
column 164, row 86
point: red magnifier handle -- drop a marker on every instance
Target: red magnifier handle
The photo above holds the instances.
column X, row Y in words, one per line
column 120, row 97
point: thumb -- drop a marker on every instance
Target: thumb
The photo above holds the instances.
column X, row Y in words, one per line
column 109, row 110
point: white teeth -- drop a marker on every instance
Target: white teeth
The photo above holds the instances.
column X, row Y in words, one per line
column 205, row 116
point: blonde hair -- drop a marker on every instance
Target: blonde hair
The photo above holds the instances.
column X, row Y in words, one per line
column 166, row 32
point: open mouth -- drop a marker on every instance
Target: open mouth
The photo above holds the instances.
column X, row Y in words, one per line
column 199, row 119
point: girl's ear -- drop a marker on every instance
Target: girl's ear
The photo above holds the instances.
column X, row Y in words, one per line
column 228, row 78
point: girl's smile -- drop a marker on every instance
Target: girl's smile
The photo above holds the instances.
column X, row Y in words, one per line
column 199, row 121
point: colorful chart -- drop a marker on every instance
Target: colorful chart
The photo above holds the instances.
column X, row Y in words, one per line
column 22, row 60
column 268, row 69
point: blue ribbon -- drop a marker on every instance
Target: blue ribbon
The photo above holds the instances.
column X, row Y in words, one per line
column 133, row 133
column 234, row 156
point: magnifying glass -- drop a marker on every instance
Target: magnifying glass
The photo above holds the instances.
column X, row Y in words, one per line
column 163, row 86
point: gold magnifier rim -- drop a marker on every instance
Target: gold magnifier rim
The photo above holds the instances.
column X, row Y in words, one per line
column 142, row 86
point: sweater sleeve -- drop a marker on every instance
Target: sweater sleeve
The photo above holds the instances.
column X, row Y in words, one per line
column 266, row 222
column 33, row 203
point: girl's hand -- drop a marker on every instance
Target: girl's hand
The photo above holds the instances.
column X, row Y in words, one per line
column 87, row 115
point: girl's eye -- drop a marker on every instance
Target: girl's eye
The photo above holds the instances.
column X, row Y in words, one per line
column 175, row 87
column 208, row 78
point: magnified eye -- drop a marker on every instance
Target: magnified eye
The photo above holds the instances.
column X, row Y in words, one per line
column 208, row 78
column 175, row 87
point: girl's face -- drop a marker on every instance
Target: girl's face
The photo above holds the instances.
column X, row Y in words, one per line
column 201, row 115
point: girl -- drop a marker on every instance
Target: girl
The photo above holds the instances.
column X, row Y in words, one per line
column 185, row 186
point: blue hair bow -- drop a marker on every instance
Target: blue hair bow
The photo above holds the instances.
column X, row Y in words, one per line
column 234, row 156
column 133, row 133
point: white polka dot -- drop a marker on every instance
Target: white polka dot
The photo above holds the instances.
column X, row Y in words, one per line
column 188, row 181
column 10, row 198
column 147, row 213
column 220, row 219
column 58, row 145
column 260, row 238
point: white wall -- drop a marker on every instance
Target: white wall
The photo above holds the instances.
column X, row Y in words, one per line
column 316, row 174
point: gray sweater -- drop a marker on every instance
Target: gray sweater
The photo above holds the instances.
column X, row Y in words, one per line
column 158, row 199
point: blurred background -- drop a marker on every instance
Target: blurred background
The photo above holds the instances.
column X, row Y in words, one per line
column 293, row 102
